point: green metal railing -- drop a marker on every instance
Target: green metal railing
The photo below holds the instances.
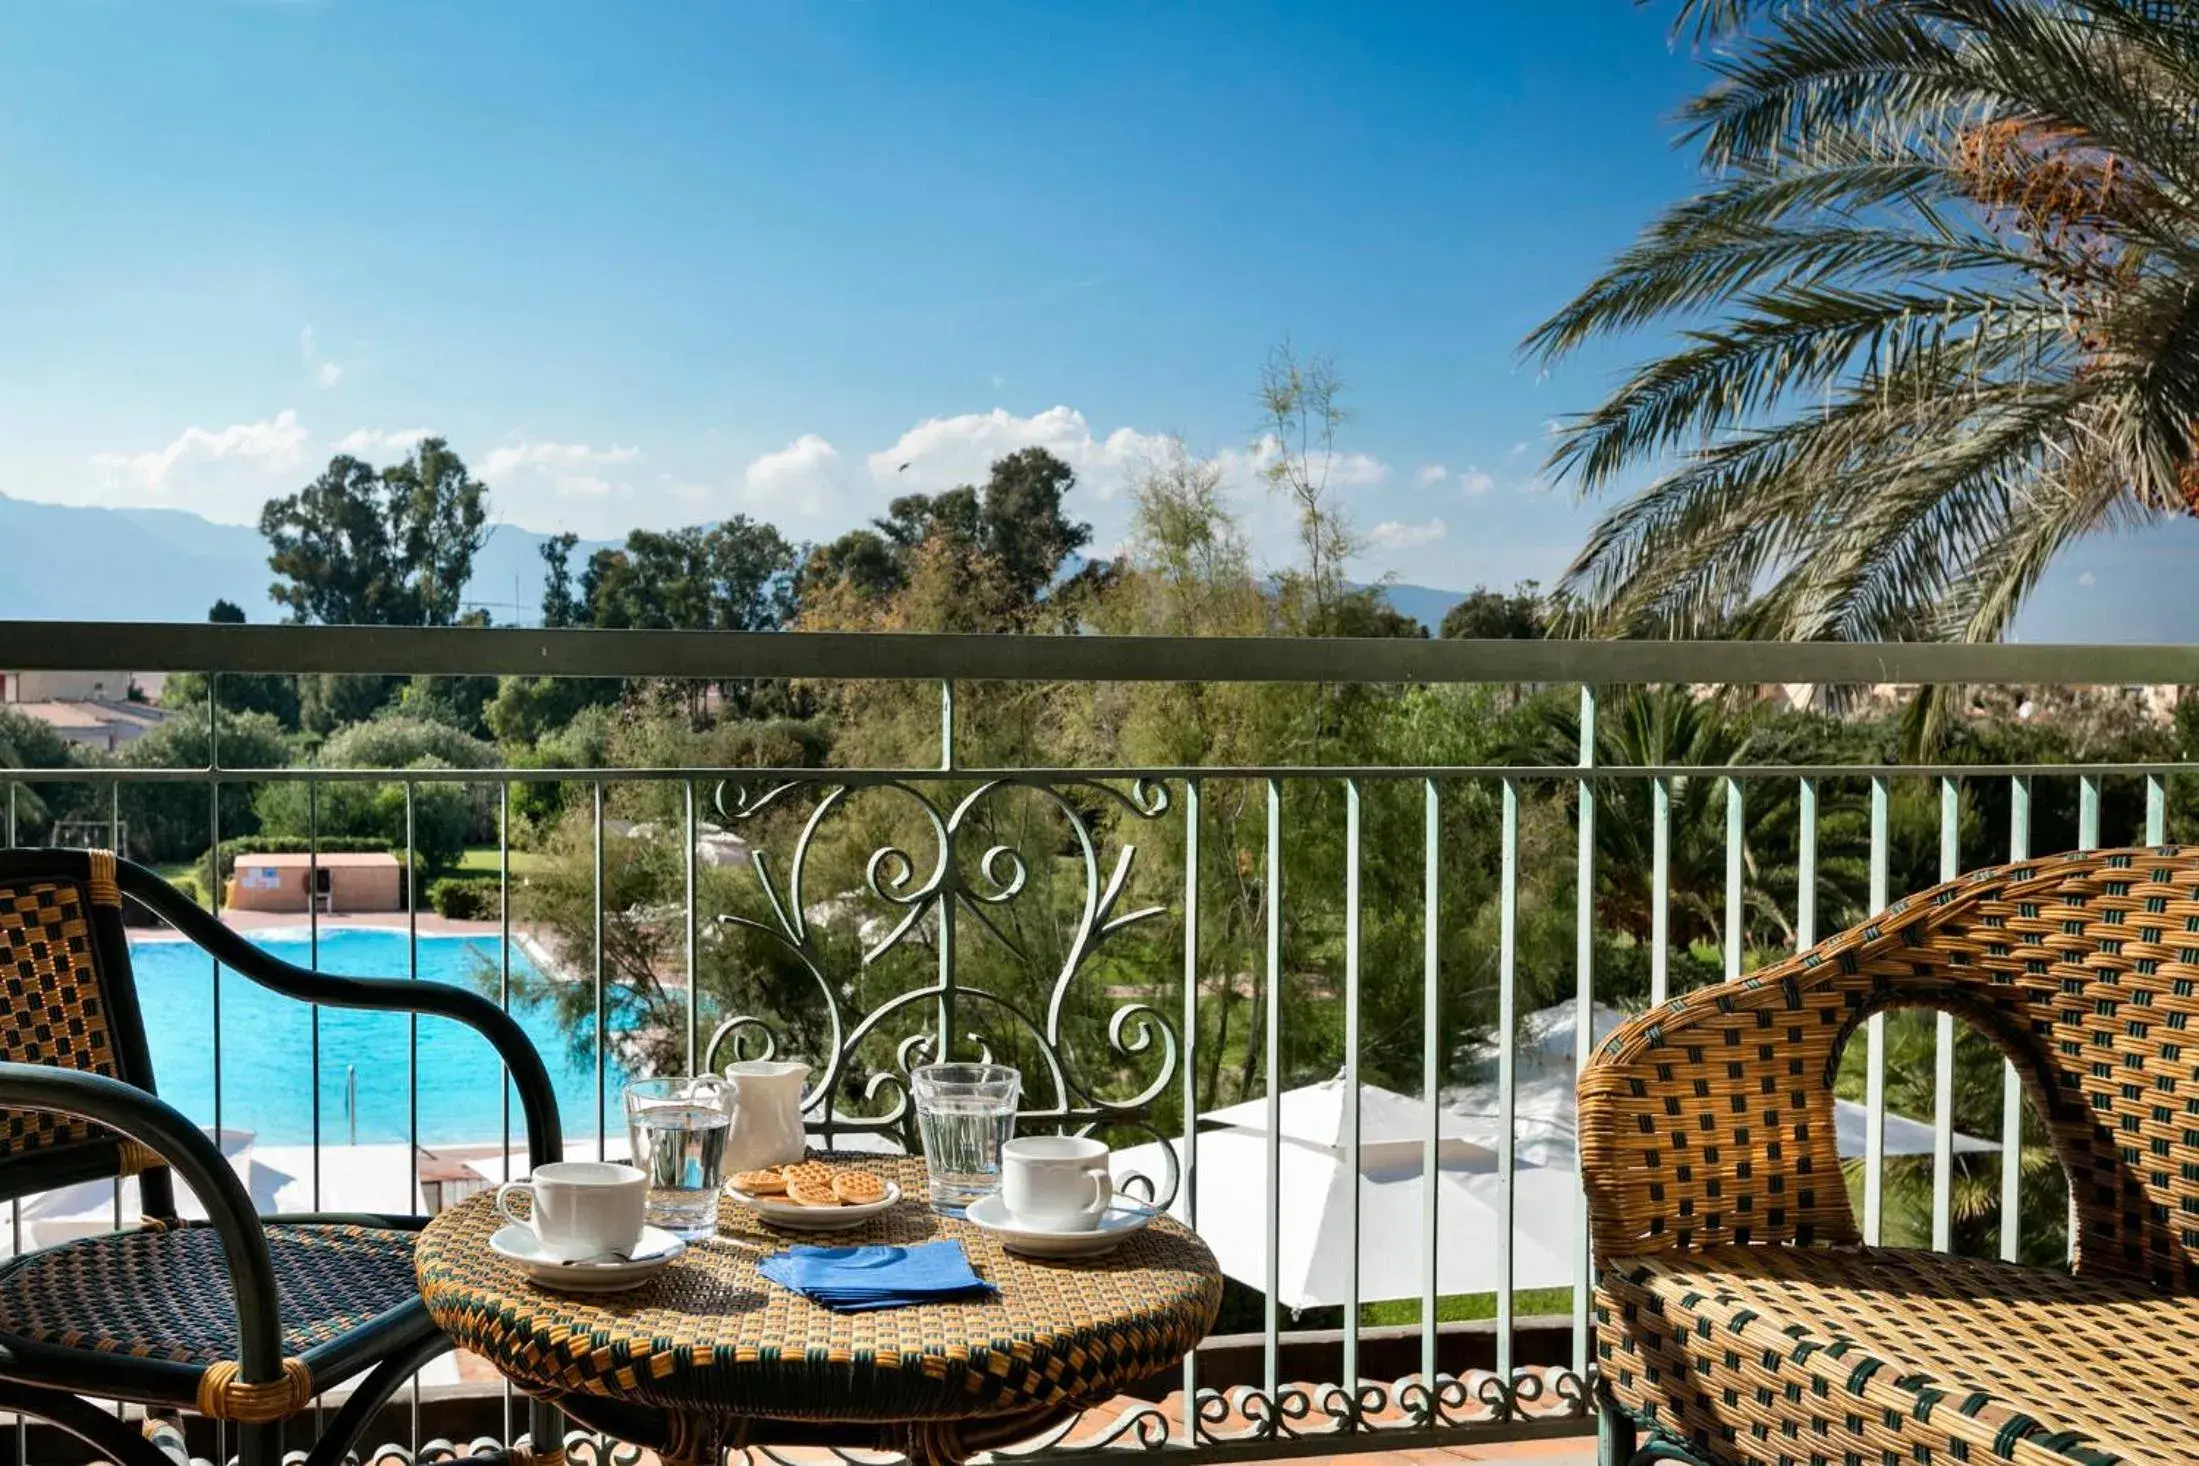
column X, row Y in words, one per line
column 932, row 894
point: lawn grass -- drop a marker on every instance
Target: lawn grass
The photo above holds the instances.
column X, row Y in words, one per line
column 1462, row 1307
column 480, row 861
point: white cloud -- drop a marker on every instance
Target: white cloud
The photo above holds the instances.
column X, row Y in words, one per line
column 326, row 373
column 553, row 458
column 571, row 472
column 363, row 442
column 1474, row 481
column 942, row 452
column 1517, row 449
column 2088, row 579
column 1339, row 470
column 800, row 478
column 1394, row 534
column 1431, row 473
column 273, row 443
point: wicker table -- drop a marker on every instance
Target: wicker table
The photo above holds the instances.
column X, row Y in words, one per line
column 709, row 1357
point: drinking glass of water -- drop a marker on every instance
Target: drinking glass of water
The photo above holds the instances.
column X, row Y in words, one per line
column 966, row 1113
column 678, row 1130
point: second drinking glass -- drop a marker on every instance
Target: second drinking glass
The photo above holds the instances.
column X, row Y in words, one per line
column 965, row 1113
column 677, row 1128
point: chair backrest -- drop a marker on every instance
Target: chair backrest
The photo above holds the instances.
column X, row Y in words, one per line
column 1710, row 1120
column 67, row 1000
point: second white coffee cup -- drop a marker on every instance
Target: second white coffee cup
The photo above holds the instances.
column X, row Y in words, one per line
column 581, row 1209
column 1057, row 1182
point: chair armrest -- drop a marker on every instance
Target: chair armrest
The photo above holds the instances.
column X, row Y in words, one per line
column 1710, row 1120
column 156, row 1124
column 538, row 1101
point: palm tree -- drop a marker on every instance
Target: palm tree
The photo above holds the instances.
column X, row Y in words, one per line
column 1937, row 312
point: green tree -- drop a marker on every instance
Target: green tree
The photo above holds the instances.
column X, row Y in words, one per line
column 27, row 743
column 1488, row 615
column 1017, row 523
column 394, row 548
column 272, row 693
column 1932, row 319
column 170, row 821
column 560, row 606
column 1301, row 412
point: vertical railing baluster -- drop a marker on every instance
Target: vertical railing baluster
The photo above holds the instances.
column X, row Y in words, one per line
column 1660, row 890
column 1734, row 894
column 313, row 957
column 114, row 843
column 694, row 966
column 213, row 856
column 1507, row 1087
column 2011, row 1085
column 947, row 760
column 1352, row 828
column 413, row 888
column 1943, row 1041
column 2088, row 838
column 1805, row 869
column 1188, row 1180
column 1584, row 1006
column 504, row 1001
column 1431, row 1074
column 1271, row 1328
column 603, row 1038
column 1874, row 1035
column 2156, row 810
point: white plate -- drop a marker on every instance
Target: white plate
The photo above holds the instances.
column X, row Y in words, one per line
column 1118, row 1224
column 652, row 1254
column 777, row 1211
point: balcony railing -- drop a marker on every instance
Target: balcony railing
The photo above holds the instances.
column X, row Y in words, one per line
column 1146, row 943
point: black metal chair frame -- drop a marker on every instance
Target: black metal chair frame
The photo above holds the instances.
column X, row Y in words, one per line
column 53, row 1384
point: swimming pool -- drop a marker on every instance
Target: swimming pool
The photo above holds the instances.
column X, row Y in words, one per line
column 267, row 1045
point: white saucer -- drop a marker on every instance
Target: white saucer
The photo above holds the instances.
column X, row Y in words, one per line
column 777, row 1211
column 652, row 1254
column 1119, row 1223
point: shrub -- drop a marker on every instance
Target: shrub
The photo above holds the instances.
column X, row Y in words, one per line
column 461, row 899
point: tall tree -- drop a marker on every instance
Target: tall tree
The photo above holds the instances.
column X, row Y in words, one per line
column 1017, row 522
column 394, row 548
column 560, row 606
column 1935, row 319
column 1302, row 410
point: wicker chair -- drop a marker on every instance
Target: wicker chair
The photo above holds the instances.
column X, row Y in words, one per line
column 241, row 1318
column 1738, row 1316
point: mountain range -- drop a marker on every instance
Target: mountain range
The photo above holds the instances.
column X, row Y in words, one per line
column 74, row 563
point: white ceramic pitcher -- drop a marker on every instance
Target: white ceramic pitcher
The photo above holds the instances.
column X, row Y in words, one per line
column 764, row 1099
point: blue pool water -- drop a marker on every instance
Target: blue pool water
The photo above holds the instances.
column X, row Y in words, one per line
column 267, row 1045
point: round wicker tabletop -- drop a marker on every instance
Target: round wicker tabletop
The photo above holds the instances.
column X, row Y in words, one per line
column 716, row 1357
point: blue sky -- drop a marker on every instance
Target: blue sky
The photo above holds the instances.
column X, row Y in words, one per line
column 650, row 265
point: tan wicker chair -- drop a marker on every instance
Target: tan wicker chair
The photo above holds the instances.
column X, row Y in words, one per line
column 1737, row 1313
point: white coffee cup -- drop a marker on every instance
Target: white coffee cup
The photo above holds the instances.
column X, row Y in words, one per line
column 581, row 1209
column 1059, row 1183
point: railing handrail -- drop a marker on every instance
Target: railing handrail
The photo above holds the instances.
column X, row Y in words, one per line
column 39, row 646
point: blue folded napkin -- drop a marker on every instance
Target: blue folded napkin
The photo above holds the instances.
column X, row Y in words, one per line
column 857, row 1279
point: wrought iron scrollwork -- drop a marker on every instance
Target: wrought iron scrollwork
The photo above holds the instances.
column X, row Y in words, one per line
column 926, row 893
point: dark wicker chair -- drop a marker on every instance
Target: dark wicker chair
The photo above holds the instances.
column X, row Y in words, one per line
column 1738, row 1316
column 242, row 1318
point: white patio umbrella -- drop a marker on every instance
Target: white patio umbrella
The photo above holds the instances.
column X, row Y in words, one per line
column 1543, row 1120
column 1314, row 1221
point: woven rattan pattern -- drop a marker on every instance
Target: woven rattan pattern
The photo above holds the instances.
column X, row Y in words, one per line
column 1709, row 1120
column 1799, row 1354
column 710, row 1336
column 53, row 1008
column 164, row 1294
